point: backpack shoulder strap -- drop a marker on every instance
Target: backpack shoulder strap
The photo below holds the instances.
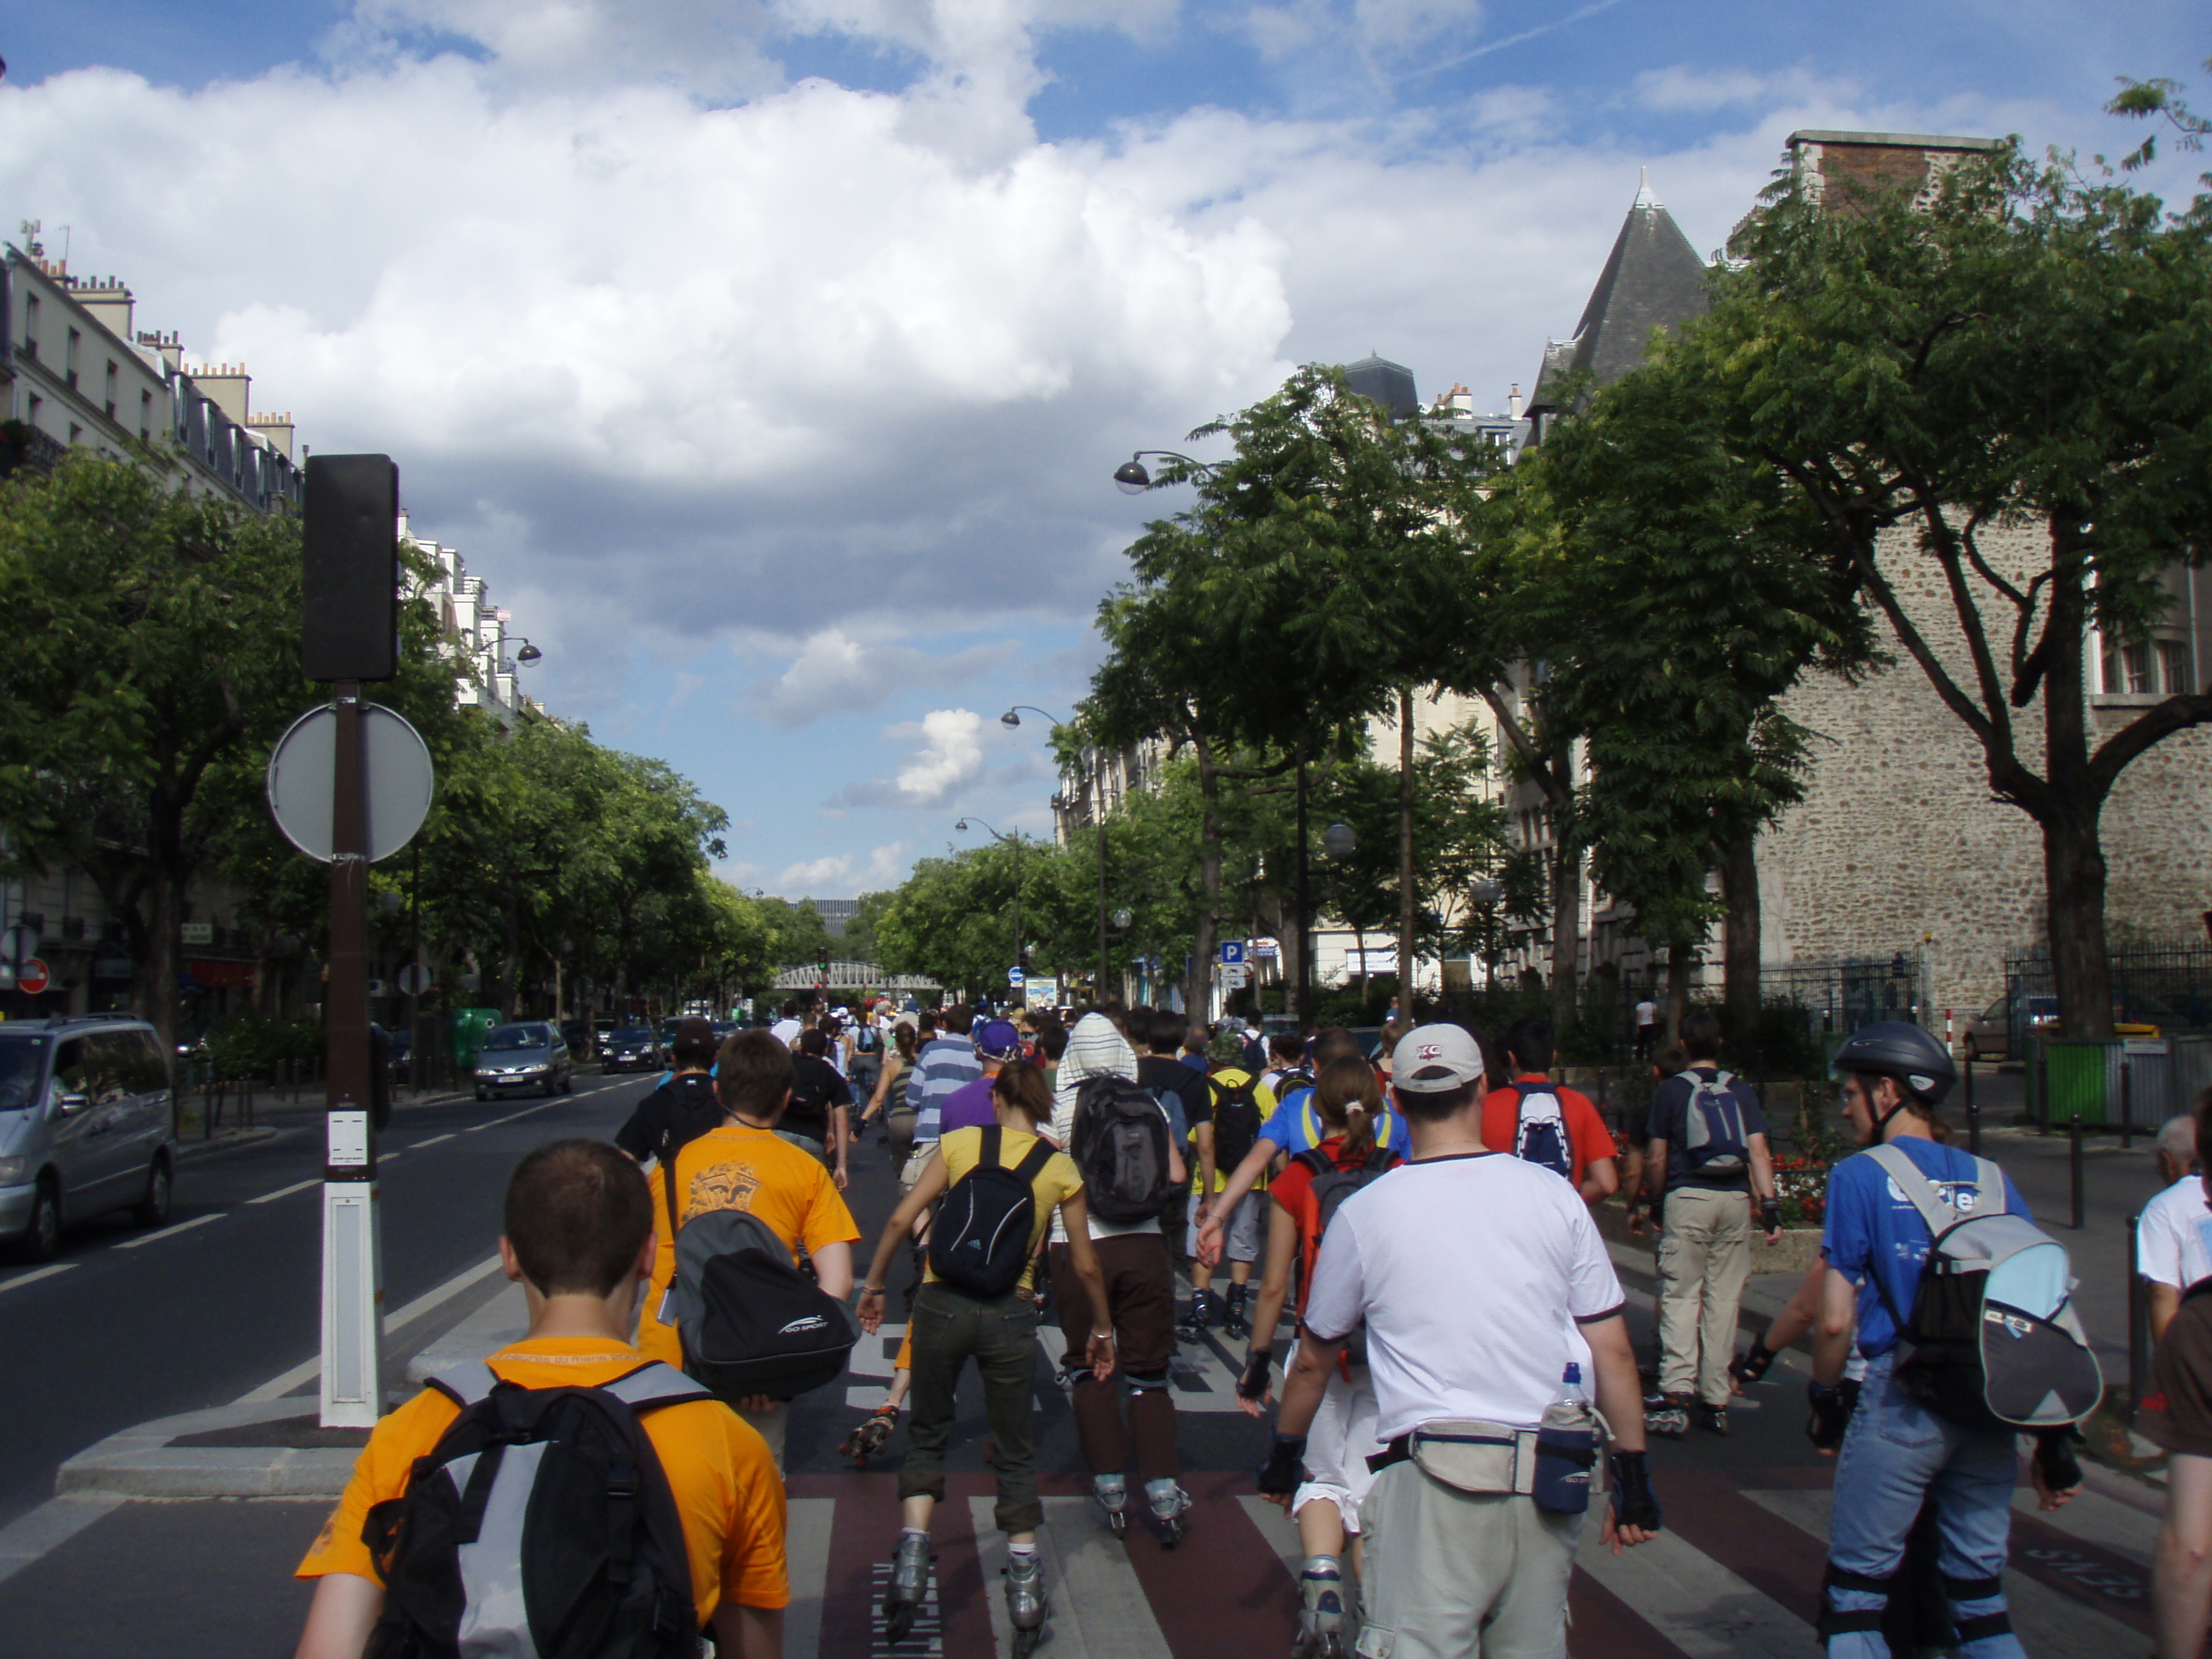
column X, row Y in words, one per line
column 655, row 1384
column 1989, row 1181
column 1316, row 1160
column 465, row 1385
column 1033, row 1163
column 1940, row 1217
column 994, row 1138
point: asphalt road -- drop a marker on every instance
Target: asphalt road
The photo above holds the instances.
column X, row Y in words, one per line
column 137, row 1325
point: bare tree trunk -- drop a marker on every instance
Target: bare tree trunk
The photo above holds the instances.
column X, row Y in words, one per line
column 1678, row 985
column 1566, row 930
column 2073, row 871
column 1740, row 953
column 1406, row 853
column 1198, row 989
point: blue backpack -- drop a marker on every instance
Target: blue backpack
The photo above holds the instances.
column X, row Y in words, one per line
column 1540, row 1133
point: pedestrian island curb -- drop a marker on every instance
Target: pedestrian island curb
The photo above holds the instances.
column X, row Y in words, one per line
column 148, row 1460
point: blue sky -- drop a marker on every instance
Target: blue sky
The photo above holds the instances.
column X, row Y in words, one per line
column 770, row 358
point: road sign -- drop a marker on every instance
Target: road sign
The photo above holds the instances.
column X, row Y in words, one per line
column 414, row 978
column 1014, row 977
column 1265, row 950
column 31, row 978
column 1232, row 950
column 399, row 778
column 1235, row 975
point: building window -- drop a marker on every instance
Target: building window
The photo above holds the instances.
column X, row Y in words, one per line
column 69, row 364
column 30, row 326
column 38, row 408
column 110, row 399
column 2134, row 668
column 76, row 432
column 2174, row 667
column 145, row 418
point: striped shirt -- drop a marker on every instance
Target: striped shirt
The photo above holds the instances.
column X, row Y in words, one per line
column 942, row 1066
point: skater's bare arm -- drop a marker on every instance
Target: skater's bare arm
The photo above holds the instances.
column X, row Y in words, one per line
column 1076, row 1213
column 1832, row 1337
column 1274, row 1290
column 340, row 1617
column 1302, row 1387
column 1221, row 1203
column 746, row 1632
column 924, row 1194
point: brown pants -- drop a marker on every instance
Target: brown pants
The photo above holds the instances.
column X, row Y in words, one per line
column 1140, row 1308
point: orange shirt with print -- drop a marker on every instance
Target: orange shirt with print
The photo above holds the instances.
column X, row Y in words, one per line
column 737, row 1166
column 725, row 1486
column 1587, row 1138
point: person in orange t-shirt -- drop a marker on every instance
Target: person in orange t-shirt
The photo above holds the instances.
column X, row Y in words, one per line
column 1589, row 1148
column 577, row 1238
column 745, row 1165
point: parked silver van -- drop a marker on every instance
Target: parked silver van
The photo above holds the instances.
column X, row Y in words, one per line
column 85, row 1126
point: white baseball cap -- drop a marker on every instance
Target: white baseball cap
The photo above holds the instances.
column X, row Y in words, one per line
column 1435, row 1059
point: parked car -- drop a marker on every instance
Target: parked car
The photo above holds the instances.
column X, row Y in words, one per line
column 578, row 1036
column 86, row 1126
column 530, row 1054
column 632, row 1048
column 1988, row 1035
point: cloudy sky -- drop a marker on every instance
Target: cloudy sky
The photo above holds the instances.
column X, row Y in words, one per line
column 770, row 357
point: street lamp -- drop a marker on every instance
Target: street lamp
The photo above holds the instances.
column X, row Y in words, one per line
column 1339, row 842
column 529, row 654
column 1095, row 759
column 1021, row 956
column 1132, row 478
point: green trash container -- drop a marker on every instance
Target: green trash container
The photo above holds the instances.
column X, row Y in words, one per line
column 2077, row 1075
column 466, row 1035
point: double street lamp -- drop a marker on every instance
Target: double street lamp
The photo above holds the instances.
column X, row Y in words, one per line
column 1133, row 477
column 1096, row 761
column 1021, row 956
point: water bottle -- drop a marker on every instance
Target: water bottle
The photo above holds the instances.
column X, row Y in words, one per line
column 1566, row 1449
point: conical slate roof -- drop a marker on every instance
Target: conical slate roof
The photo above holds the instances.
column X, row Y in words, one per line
column 1653, row 279
column 1388, row 384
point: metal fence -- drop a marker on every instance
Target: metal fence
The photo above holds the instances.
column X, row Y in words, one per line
column 1841, row 993
column 2169, row 985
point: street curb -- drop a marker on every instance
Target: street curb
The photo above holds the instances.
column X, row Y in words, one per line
column 140, row 1462
column 229, row 1140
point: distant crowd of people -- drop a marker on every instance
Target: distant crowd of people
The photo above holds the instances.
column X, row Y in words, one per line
column 1461, row 1391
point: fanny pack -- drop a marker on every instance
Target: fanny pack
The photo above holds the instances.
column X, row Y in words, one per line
column 1558, row 1470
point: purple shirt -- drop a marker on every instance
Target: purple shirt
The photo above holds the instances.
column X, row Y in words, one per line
column 968, row 1107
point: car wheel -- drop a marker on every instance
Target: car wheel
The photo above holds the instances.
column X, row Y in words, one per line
column 42, row 1239
column 482, row 1095
column 568, row 1084
column 153, row 1210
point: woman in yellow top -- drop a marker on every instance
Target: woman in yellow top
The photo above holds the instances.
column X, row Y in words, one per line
column 949, row 1326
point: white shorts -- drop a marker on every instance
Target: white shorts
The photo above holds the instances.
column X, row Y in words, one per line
column 1240, row 1231
column 1338, row 1443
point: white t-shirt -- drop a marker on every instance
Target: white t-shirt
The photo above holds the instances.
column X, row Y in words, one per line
column 1647, row 1013
column 1471, row 1272
column 785, row 1032
column 2173, row 1240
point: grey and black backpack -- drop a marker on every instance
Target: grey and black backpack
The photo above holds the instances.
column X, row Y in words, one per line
column 1991, row 1339
column 541, row 1523
column 1713, row 1136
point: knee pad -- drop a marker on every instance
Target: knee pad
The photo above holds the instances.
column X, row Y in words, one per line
column 1148, row 1382
column 1982, row 1626
column 1834, row 1622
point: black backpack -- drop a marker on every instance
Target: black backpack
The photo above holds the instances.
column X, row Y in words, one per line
column 1331, row 1187
column 1236, row 1123
column 980, row 1242
column 693, row 1109
column 574, row 1542
column 750, row 1323
column 1120, row 1143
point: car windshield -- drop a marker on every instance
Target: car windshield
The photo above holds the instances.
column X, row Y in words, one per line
column 23, row 1061
column 515, row 1036
column 631, row 1034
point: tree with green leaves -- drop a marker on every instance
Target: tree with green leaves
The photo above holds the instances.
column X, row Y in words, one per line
column 154, row 637
column 2149, row 100
column 2031, row 353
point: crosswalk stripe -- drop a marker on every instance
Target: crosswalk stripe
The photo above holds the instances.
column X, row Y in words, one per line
column 2118, row 1527
column 1694, row 1601
column 807, row 1555
column 1099, row 1609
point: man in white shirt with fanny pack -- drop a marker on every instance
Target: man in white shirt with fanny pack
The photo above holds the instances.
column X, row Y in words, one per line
column 1469, row 1544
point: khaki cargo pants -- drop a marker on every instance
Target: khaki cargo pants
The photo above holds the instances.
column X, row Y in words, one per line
column 1704, row 1256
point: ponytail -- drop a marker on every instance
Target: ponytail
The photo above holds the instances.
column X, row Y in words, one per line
column 1349, row 1100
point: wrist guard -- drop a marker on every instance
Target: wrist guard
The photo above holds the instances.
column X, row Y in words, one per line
column 1253, row 1385
column 1831, row 1414
column 1280, row 1473
column 1769, row 1214
column 1634, row 1503
column 2055, row 1460
column 1754, row 1364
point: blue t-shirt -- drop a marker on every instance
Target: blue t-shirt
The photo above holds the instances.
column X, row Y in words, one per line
column 1876, row 1237
column 1296, row 1126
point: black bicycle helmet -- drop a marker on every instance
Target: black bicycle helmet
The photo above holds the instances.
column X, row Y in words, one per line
column 1898, row 1048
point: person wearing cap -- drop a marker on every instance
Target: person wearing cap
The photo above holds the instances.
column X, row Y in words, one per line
column 968, row 1107
column 1458, row 1559
column 1897, row 1453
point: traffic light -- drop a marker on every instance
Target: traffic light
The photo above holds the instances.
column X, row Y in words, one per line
column 349, row 568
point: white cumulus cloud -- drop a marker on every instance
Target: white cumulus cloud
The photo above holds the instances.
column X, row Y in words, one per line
column 835, row 673
column 842, row 873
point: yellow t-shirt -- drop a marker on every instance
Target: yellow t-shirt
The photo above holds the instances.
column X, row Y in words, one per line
column 737, row 1166
column 963, row 1150
column 727, row 1492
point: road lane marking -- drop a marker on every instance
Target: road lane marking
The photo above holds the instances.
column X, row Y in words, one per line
column 432, row 1142
column 171, row 1232
column 48, row 1526
column 36, row 1274
column 307, row 1369
column 1100, row 1608
column 286, row 1192
column 494, row 1123
column 806, row 1548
